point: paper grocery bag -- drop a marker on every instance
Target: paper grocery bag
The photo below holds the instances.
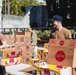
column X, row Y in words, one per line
column 61, row 55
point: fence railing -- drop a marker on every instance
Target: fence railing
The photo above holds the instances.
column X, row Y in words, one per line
column 72, row 29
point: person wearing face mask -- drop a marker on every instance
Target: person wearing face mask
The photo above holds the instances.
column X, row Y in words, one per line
column 61, row 32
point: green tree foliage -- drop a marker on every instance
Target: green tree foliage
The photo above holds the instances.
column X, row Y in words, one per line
column 17, row 7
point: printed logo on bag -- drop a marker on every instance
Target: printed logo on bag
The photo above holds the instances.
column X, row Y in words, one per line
column 61, row 42
column 60, row 56
column 53, row 41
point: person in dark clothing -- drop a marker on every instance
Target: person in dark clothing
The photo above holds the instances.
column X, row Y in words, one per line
column 2, row 70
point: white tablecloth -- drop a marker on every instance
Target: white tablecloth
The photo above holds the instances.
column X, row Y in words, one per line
column 14, row 69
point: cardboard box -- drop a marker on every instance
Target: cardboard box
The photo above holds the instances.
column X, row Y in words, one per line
column 10, row 39
column 27, row 50
column 28, row 34
column 62, row 55
column 29, row 71
column 27, row 38
column 20, row 38
column 26, row 59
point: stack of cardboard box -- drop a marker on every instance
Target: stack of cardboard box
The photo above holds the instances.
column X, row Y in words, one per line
column 27, row 48
column 18, row 47
column 11, row 54
column 10, row 39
